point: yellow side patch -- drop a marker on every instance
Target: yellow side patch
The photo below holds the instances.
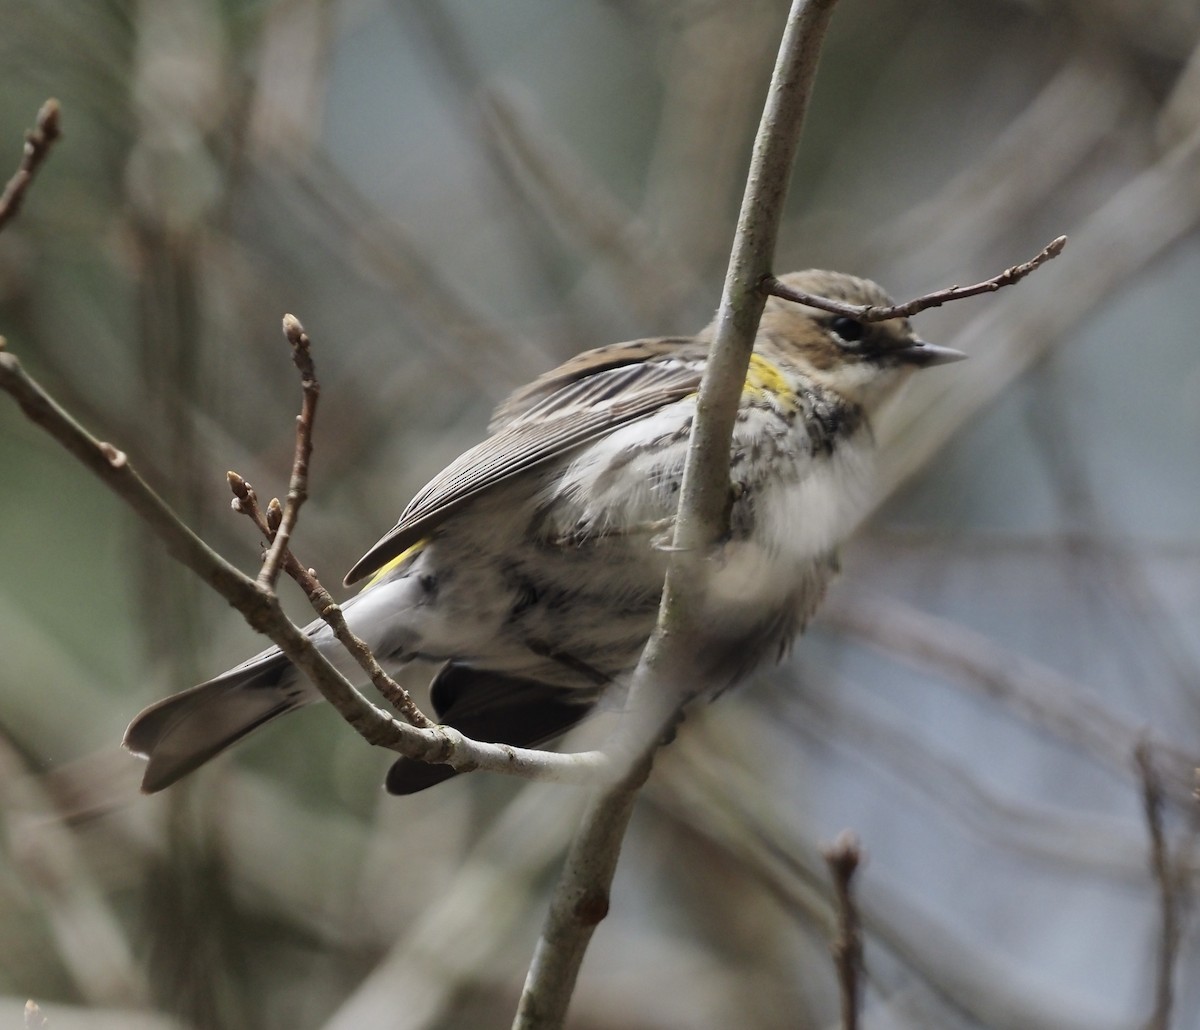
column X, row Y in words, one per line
column 406, row 555
column 764, row 380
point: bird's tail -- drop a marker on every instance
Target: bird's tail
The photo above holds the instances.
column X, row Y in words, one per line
column 182, row 732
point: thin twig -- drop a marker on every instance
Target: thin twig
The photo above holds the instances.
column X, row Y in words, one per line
column 298, row 484
column 38, row 142
column 660, row 684
column 1168, row 893
column 843, row 857
column 714, row 783
column 1015, row 333
column 879, row 313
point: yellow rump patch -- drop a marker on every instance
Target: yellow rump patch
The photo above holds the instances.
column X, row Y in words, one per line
column 406, row 555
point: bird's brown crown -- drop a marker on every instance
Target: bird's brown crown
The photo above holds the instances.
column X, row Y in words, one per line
column 826, row 340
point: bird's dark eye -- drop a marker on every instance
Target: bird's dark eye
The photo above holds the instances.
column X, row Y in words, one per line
column 849, row 330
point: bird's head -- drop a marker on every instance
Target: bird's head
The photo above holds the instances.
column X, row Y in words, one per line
column 865, row 362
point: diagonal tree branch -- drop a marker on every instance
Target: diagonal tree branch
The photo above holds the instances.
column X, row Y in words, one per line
column 256, row 600
column 260, row 607
column 660, row 683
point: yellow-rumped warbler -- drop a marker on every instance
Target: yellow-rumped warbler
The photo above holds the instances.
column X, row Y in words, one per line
column 532, row 566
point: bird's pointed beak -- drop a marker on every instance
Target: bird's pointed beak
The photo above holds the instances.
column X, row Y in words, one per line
column 923, row 355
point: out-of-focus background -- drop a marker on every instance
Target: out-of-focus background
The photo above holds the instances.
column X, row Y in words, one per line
column 453, row 196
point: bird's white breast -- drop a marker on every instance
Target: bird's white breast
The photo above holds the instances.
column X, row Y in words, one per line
column 797, row 522
column 810, row 514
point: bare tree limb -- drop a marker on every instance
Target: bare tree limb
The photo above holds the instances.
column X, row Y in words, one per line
column 705, row 486
column 38, row 142
column 660, row 684
column 880, row 313
column 843, row 858
column 260, row 608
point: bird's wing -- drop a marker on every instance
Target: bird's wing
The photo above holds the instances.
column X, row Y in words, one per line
column 563, row 410
column 586, row 367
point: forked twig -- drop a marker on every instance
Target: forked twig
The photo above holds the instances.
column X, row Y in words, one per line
column 880, row 313
column 245, row 502
column 279, row 520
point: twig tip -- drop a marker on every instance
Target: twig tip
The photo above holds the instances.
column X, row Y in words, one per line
column 239, row 486
column 293, row 330
column 47, row 118
column 845, row 852
column 34, row 1020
